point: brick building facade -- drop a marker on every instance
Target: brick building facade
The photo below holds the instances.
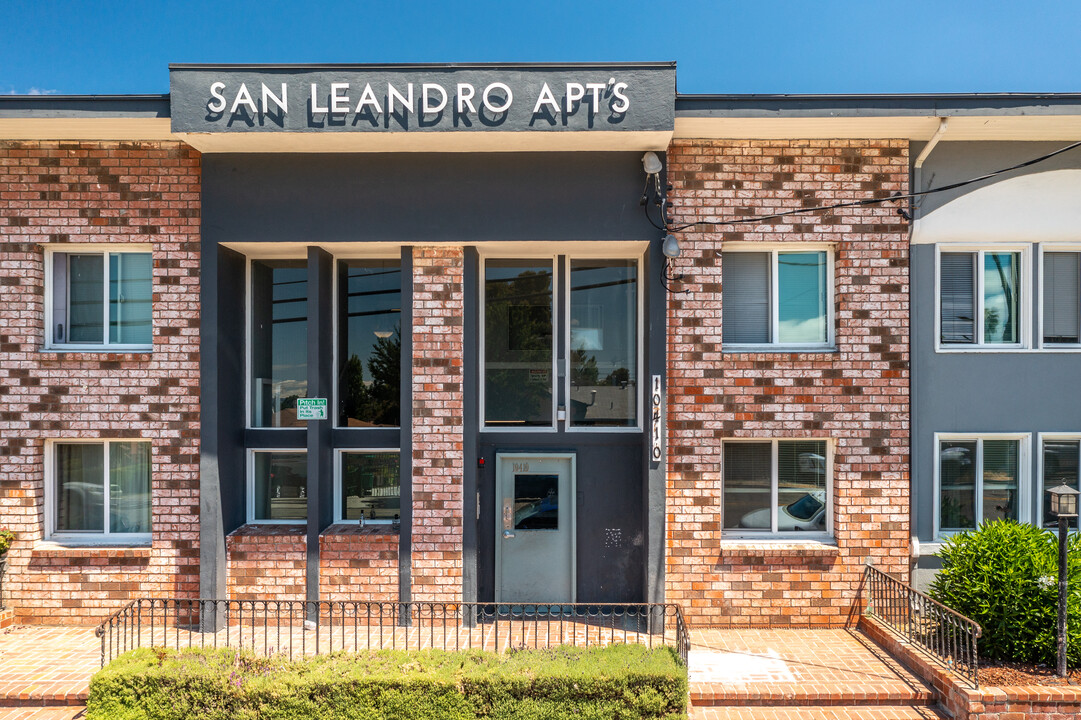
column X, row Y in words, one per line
column 485, row 308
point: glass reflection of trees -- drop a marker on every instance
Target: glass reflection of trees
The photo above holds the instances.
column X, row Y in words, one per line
column 517, row 343
column 370, row 339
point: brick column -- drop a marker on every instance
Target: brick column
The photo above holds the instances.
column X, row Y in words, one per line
column 438, row 346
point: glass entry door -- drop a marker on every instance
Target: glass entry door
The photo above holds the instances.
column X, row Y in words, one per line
column 535, row 528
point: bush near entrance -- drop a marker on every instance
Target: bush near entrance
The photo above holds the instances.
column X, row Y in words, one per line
column 1005, row 577
column 619, row 681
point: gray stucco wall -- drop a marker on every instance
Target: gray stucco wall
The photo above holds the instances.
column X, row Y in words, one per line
column 1029, row 391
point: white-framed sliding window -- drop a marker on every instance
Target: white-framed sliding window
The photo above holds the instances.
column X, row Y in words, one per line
column 777, row 488
column 278, row 486
column 777, row 297
column 1057, row 463
column 99, row 297
column 367, row 482
column 978, row 477
column 983, row 297
column 1059, row 270
column 98, row 491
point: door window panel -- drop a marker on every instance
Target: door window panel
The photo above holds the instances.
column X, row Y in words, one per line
column 536, row 502
column 518, row 306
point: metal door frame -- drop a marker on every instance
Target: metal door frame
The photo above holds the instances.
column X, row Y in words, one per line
column 573, row 458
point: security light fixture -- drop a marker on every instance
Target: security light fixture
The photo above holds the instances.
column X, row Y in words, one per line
column 670, row 246
column 651, row 163
column 1063, row 501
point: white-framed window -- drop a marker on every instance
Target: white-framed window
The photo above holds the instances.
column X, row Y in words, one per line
column 775, row 297
column 367, row 485
column 980, row 477
column 98, row 490
column 1060, row 296
column 598, row 316
column 278, row 486
column 780, row 488
column 1059, row 459
column 99, row 298
column 982, row 297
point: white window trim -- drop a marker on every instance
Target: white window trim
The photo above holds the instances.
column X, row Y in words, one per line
column 1039, row 483
column 91, row 537
column 336, row 314
column 774, row 331
column 248, row 379
column 1051, row 347
column 640, row 350
column 1024, row 481
column 482, row 361
column 252, row 520
column 1024, row 311
column 774, row 535
column 50, row 343
column 339, row 512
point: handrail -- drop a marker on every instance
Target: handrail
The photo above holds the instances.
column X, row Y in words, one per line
column 945, row 634
column 297, row 627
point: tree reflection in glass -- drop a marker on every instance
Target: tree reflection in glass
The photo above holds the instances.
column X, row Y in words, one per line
column 370, row 343
column 517, row 343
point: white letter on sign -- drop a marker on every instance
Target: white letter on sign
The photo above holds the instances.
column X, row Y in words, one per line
column 215, row 92
column 656, row 416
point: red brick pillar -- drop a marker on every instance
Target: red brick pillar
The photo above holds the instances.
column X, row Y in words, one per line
column 438, row 345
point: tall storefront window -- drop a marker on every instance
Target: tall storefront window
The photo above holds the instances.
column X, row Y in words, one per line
column 518, row 350
column 369, row 343
column 370, row 486
column 279, row 486
column 603, row 349
column 279, row 341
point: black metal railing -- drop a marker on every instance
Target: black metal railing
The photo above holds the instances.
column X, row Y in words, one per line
column 944, row 634
column 3, row 572
column 305, row 628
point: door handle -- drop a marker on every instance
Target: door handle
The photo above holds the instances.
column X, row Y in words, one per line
column 507, row 534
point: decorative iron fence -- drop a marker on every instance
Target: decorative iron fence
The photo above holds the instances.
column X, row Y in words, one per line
column 946, row 635
column 3, row 571
column 306, row 628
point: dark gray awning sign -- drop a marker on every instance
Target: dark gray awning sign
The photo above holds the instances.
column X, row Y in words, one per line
column 236, row 99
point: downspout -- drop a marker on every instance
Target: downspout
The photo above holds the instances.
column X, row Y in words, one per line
column 913, row 456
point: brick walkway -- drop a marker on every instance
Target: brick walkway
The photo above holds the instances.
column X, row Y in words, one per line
column 46, row 666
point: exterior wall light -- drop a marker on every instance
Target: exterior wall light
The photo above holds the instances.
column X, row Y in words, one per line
column 670, row 247
column 1063, row 506
column 651, row 163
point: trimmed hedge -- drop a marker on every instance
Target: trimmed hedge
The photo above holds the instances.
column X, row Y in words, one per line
column 625, row 682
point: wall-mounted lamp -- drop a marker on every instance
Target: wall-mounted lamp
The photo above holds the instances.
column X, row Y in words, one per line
column 651, row 163
column 670, row 246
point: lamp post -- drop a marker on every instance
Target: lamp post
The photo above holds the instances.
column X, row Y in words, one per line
column 1064, row 507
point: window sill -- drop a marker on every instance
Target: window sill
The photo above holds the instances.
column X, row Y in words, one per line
column 270, row 529
column 826, row 547
column 84, row 549
column 143, row 353
column 779, row 350
column 346, row 528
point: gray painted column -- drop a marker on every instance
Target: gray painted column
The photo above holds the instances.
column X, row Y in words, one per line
column 212, row 560
column 656, row 321
column 405, row 478
column 320, row 384
column 470, row 419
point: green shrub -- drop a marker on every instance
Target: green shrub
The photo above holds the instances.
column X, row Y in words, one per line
column 1005, row 577
column 6, row 539
column 625, row 682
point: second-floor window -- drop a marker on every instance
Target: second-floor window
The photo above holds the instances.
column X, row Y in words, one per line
column 100, row 300
column 980, row 298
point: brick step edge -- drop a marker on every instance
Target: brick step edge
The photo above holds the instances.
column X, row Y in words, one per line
column 760, row 697
column 29, row 700
column 831, row 712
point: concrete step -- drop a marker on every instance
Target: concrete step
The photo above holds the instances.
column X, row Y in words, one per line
column 719, row 695
column 48, row 713
column 840, row 712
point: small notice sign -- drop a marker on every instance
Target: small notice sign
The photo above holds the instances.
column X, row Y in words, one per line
column 311, row 408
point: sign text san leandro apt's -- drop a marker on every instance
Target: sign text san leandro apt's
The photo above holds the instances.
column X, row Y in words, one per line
column 421, row 99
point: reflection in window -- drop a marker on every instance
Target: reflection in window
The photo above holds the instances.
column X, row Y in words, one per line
column 370, row 485
column 369, row 343
column 961, row 302
column 518, row 343
column 102, row 487
column 280, row 486
column 801, row 297
column 797, row 478
column 979, row 481
column 1000, row 300
column 1060, row 467
column 279, row 354
column 604, row 343
column 747, row 485
column 536, row 502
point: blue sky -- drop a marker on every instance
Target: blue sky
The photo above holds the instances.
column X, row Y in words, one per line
column 811, row 46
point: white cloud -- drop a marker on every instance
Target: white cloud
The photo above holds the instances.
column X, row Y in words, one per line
column 39, row 91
